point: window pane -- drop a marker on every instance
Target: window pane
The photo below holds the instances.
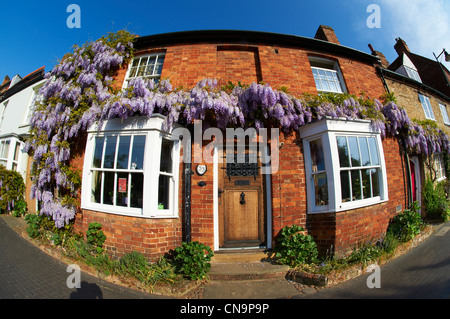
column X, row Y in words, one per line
column 159, row 65
column 375, row 182
column 137, row 190
column 110, row 152
column 137, row 157
column 354, row 151
column 356, row 185
column 96, row 186
column 343, row 151
column 317, row 158
column 373, row 151
column 364, row 148
column 164, row 191
column 123, row 152
column 166, row 156
column 321, row 189
column 98, row 152
column 122, row 189
column 108, row 188
column 345, row 186
column 367, row 191
column 16, row 152
column 135, row 62
column 132, row 72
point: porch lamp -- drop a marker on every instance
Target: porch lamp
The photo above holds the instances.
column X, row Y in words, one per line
column 447, row 59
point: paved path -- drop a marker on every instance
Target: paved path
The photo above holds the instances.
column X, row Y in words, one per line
column 28, row 273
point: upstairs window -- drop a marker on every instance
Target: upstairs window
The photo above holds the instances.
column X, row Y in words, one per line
column 427, row 109
column 439, row 167
column 35, row 99
column 413, row 74
column 147, row 66
column 444, row 114
column 327, row 76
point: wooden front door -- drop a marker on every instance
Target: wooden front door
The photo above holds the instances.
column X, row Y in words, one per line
column 241, row 205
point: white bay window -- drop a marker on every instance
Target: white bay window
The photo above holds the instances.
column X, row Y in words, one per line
column 344, row 165
column 131, row 168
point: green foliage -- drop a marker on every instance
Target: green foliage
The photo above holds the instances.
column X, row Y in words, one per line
column 365, row 253
column 294, row 248
column 435, row 200
column 43, row 227
column 20, row 208
column 406, row 224
column 192, row 260
column 34, row 229
column 136, row 265
column 12, row 189
column 95, row 237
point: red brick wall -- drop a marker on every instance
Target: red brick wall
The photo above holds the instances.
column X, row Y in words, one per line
column 185, row 65
column 343, row 230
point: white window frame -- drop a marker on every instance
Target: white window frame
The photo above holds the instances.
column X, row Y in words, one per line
column 439, row 166
column 155, row 75
column 427, row 109
column 10, row 156
column 328, row 130
column 4, row 151
column 324, row 65
column 3, row 110
column 152, row 128
column 444, row 114
column 34, row 97
column 412, row 74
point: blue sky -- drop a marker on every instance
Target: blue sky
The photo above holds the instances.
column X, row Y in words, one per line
column 35, row 33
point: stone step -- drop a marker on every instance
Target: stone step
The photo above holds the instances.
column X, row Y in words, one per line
column 245, row 265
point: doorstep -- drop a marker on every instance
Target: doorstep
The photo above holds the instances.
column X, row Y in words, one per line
column 245, row 265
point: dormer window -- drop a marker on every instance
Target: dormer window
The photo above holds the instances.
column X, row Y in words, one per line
column 413, row 74
column 408, row 69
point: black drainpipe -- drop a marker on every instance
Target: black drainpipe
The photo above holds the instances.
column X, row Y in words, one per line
column 187, row 156
column 187, row 201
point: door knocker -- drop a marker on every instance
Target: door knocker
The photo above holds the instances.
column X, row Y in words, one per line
column 242, row 201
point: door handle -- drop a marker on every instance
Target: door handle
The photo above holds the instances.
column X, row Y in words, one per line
column 219, row 192
column 242, row 200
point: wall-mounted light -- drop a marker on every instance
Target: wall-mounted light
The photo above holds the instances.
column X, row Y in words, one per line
column 201, row 169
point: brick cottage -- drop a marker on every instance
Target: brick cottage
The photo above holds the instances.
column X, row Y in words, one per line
column 149, row 200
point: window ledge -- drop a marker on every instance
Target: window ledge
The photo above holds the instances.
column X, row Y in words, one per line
column 347, row 208
column 115, row 211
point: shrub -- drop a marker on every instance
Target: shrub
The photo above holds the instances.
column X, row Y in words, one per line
column 20, row 208
column 406, row 224
column 294, row 248
column 192, row 260
column 435, row 199
column 95, row 237
column 34, row 228
column 12, row 188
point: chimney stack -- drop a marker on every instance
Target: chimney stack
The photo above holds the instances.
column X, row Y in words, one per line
column 6, row 80
column 326, row 33
column 384, row 62
column 401, row 46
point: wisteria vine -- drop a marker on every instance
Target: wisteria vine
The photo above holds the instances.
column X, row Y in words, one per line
column 79, row 92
